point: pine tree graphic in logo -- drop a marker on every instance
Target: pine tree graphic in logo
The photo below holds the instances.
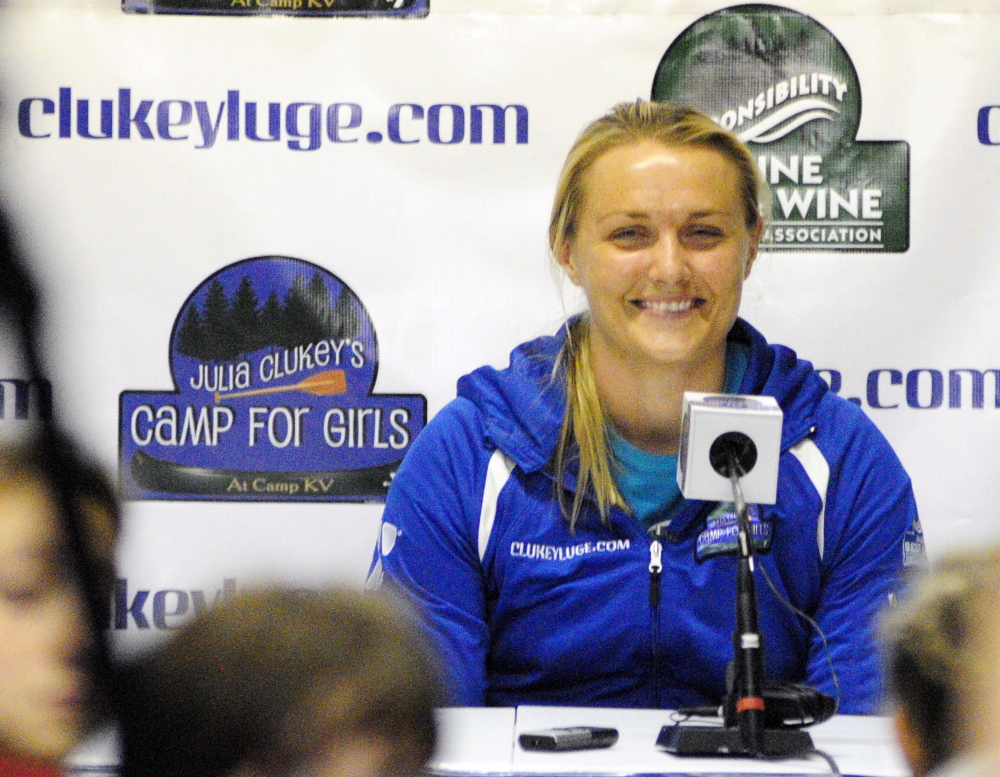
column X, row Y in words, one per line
column 224, row 329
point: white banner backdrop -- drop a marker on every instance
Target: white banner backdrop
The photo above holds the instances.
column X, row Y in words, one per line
column 438, row 229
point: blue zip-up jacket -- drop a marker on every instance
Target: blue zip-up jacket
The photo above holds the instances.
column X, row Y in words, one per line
column 524, row 612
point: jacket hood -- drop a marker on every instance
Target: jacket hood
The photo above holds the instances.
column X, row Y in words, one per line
column 523, row 405
column 776, row 371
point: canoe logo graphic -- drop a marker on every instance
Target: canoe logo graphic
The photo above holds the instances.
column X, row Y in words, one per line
column 273, row 360
column 786, row 87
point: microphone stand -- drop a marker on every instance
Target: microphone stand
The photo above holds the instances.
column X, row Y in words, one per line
column 749, row 666
column 750, row 736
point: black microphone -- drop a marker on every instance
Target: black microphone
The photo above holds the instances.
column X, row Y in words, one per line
column 725, row 438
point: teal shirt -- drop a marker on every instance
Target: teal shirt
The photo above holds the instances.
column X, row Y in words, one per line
column 648, row 481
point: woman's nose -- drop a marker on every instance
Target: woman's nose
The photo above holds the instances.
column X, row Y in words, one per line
column 668, row 261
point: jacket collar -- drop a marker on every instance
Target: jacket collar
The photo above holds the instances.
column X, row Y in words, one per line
column 524, row 404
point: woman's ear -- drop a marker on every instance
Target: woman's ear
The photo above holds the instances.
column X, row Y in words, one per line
column 756, row 233
column 565, row 258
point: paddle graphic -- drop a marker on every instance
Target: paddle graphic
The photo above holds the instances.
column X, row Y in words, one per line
column 322, row 384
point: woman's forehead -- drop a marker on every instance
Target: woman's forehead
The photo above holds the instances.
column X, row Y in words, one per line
column 644, row 165
column 655, row 154
column 28, row 522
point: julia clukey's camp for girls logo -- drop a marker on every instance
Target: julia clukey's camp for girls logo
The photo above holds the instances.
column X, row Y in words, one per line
column 787, row 88
column 273, row 360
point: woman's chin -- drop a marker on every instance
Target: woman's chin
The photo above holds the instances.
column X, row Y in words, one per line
column 59, row 728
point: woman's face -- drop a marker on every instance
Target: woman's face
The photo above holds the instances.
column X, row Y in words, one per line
column 43, row 684
column 661, row 250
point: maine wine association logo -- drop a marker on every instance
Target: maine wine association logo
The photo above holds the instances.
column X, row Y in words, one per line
column 785, row 85
column 273, row 361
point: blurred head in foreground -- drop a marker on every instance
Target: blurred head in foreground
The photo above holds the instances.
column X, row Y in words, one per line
column 46, row 649
column 943, row 662
column 278, row 682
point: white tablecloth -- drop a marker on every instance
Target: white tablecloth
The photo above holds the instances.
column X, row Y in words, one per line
column 484, row 741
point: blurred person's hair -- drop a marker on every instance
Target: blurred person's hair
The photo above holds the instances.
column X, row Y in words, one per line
column 941, row 651
column 85, row 503
column 275, row 679
column 65, row 471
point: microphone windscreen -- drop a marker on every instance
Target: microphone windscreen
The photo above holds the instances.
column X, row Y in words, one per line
column 709, row 419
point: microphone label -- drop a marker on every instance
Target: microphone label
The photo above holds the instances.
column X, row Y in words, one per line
column 721, row 533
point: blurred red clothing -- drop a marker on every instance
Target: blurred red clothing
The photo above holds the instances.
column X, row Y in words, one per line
column 15, row 767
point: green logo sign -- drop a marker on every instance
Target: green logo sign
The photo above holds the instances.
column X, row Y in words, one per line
column 785, row 86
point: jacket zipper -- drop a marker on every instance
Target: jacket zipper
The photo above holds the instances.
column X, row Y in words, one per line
column 655, row 568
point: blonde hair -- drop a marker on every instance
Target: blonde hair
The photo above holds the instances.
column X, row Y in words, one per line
column 584, row 434
column 939, row 651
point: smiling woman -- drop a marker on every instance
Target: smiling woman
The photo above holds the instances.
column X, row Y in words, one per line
column 657, row 217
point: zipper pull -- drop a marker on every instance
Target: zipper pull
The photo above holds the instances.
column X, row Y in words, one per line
column 655, row 567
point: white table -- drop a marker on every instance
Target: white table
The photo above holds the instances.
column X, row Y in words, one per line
column 484, row 741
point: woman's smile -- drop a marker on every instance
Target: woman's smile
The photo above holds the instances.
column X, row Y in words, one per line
column 675, row 306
